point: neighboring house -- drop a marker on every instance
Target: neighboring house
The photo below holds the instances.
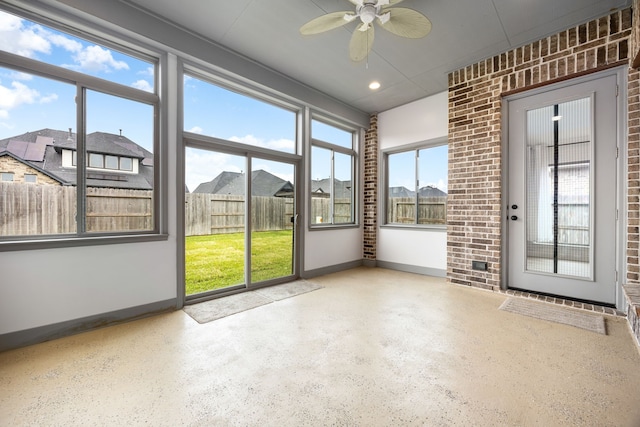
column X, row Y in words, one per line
column 48, row 156
column 431, row 191
column 322, row 188
column 401, row 192
column 262, row 184
column 426, row 191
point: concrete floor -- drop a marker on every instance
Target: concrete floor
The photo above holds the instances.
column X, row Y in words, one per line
column 374, row 347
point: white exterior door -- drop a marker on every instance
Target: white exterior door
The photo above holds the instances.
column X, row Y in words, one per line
column 562, row 187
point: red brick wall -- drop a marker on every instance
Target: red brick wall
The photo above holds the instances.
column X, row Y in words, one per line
column 475, row 180
column 370, row 189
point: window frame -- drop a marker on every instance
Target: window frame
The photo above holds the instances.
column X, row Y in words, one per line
column 355, row 172
column 82, row 83
column 384, row 183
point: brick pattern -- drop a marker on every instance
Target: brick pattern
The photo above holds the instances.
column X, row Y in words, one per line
column 632, row 294
column 633, row 179
column 19, row 169
column 370, row 189
column 475, row 181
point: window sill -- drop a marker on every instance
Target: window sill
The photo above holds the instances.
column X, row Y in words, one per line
column 421, row 227
column 321, row 227
column 74, row 241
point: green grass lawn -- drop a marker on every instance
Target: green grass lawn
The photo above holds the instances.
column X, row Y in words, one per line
column 217, row 261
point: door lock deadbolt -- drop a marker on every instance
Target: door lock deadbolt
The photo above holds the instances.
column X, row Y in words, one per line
column 513, row 217
column 514, row 206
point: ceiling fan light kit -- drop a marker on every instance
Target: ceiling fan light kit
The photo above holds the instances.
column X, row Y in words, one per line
column 402, row 22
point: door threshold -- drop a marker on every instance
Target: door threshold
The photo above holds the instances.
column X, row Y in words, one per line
column 592, row 306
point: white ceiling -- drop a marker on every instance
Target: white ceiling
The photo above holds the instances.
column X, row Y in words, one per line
column 464, row 32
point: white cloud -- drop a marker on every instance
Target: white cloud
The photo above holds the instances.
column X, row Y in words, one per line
column 66, row 43
column 203, row 166
column 147, row 72
column 49, row 98
column 16, row 38
column 143, row 85
column 95, row 58
column 196, row 129
column 17, row 75
column 18, row 93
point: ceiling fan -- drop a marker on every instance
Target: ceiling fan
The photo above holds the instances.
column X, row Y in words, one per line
column 400, row 21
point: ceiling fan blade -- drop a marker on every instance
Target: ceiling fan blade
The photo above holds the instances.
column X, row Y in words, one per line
column 407, row 23
column 360, row 44
column 390, row 3
column 327, row 22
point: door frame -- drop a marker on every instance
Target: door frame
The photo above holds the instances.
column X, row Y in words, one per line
column 208, row 143
column 621, row 180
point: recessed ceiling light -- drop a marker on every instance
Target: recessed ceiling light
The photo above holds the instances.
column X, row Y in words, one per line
column 374, row 85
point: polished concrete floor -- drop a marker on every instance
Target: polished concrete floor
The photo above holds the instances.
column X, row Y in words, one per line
column 373, row 347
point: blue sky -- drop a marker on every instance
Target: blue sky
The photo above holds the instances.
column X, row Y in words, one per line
column 29, row 103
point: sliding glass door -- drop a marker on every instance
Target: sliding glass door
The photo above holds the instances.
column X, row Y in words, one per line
column 235, row 242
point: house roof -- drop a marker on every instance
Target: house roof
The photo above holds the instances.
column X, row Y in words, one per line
column 323, row 187
column 431, row 191
column 263, row 183
column 42, row 149
column 32, row 165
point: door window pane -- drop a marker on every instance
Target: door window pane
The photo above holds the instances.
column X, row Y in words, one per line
column 272, row 215
column 214, row 220
column 559, row 187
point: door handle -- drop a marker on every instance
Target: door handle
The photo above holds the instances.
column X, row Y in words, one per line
column 513, row 217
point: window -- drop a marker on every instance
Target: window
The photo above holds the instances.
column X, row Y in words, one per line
column 218, row 112
column 126, row 164
column 332, row 175
column 30, row 178
column 111, row 162
column 6, row 176
column 96, row 160
column 416, row 189
column 62, row 83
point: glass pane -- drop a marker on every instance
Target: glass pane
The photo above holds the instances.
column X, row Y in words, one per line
column 401, row 194
column 432, row 185
column 119, row 201
column 214, row 111
column 214, row 220
column 559, row 189
column 36, row 41
column 272, row 212
column 342, row 189
column 36, row 118
column 320, row 185
column 111, row 162
column 331, row 134
column 96, row 160
column 126, row 163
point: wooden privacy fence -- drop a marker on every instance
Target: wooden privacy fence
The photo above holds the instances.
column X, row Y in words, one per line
column 320, row 210
column 218, row 214
column 29, row 209
column 431, row 210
